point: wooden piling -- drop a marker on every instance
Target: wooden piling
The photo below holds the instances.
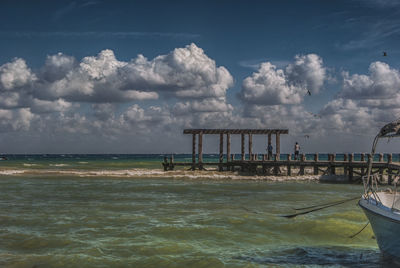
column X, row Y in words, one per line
column 243, row 148
column 200, row 149
column 171, row 162
column 276, row 168
column 165, row 163
column 228, row 147
column 369, row 158
column 269, row 143
column 221, row 150
column 278, row 145
column 302, row 159
column 345, row 169
column 289, row 167
column 193, row 151
column 250, row 147
column 333, row 167
column 351, row 173
column 381, row 168
column 316, row 171
column 362, row 160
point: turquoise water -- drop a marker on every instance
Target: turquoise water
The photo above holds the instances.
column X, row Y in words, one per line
column 66, row 219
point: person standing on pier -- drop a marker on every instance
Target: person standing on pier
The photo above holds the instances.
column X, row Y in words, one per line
column 296, row 151
column 270, row 149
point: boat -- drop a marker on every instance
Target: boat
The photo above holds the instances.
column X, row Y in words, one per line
column 382, row 207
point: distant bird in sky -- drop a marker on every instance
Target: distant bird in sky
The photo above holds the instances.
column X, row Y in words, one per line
column 307, row 136
column 315, row 115
column 308, row 92
column 384, row 53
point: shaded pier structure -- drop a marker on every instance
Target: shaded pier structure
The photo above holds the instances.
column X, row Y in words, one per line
column 197, row 135
column 352, row 165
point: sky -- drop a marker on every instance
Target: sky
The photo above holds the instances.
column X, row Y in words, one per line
column 98, row 76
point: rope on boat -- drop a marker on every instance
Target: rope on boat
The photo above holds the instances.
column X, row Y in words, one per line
column 316, row 209
column 326, row 204
column 354, row 235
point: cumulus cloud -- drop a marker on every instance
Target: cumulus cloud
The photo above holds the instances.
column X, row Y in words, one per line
column 202, row 106
column 57, row 67
column 101, row 94
column 272, row 86
column 185, row 73
column 15, row 120
column 365, row 102
column 307, row 72
column 15, row 74
column 382, row 82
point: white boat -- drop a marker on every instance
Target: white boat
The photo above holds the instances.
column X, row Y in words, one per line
column 382, row 207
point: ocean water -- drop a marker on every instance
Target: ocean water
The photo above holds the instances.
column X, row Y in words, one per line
column 124, row 211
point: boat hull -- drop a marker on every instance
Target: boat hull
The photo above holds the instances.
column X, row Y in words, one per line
column 386, row 227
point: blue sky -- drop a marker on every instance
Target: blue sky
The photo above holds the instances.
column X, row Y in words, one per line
column 332, row 48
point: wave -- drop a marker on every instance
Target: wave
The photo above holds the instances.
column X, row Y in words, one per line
column 159, row 173
column 11, row 172
column 58, row 165
column 29, row 165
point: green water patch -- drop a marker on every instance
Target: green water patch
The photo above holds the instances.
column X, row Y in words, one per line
column 111, row 222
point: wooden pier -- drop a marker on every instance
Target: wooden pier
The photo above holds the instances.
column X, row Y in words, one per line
column 336, row 164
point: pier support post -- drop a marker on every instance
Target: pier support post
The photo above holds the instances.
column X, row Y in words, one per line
column 269, row 143
column 351, row 158
column 250, row 147
column 381, row 168
column 171, row 162
column 276, row 167
column 289, row 166
column 193, row 151
column 228, row 147
column 390, row 177
column 316, row 171
column 278, row 146
column 345, row 169
column 221, row 151
column 362, row 160
column 302, row 159
column 333, row 167
column 165, row 163
column 242, row 147
column 200, row 149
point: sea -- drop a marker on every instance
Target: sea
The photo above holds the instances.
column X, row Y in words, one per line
column 125, row 211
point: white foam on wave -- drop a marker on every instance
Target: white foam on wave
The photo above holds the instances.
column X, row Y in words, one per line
column 176, row 174
column 11, row 172
column 58, row 165
column 29, row 165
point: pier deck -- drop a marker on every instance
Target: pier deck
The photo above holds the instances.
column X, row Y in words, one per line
column 274, row 164
column 354, row 170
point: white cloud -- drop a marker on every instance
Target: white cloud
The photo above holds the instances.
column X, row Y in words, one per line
column 15, row 120
column 268, row 86
column 57, row 67
column 44, row 106
column 201, row 106
column 272, row 86
column 382, row 82
column 184, row 73
column 307, row 72
column 15, row 74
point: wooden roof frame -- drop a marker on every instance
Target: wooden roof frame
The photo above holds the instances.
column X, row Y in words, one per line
column 236, row 131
